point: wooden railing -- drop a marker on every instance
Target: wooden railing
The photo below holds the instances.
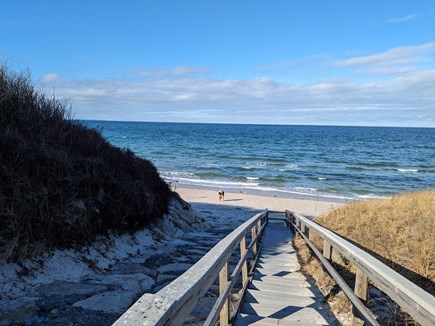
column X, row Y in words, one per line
column 418, row 303
column 172, row 304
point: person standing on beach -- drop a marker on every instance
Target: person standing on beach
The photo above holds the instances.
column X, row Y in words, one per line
column 221, row 195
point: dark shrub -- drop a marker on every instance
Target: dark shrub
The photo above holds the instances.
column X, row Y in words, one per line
column 61, row 183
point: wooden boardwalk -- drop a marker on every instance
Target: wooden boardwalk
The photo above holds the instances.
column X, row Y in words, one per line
column 279, row 293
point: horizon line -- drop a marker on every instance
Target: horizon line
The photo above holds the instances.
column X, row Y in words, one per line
column 257, row 124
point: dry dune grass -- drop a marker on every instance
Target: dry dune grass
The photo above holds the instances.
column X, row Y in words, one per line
column 399, row 231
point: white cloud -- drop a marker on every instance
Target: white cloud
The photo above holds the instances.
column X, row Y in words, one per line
column 399, row 55
column 399, row 98
column 403, row 19
column 178, row 71
column 50, row 78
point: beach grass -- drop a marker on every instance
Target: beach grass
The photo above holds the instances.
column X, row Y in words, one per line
column 399, row 231
column 61, row 183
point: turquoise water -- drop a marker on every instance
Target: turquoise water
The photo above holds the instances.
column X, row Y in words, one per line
column 322, row 161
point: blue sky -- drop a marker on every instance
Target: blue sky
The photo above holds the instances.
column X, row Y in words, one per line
column 275, row 61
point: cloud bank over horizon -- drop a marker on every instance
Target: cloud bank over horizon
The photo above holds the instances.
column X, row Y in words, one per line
column 390, row 88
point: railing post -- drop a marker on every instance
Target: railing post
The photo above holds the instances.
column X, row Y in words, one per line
column 327, row 249
column 361, row 290
column 245, row 265
column 310, row 234
column 254, row 236
column 287, row 220
column 292, row 222
column 223, row 280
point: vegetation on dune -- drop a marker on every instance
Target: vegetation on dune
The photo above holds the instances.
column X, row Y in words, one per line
column 399, row 231
column 61, row 183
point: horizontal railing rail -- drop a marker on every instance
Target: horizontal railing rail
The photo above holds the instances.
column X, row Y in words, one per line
column 415, row 301
column 172, row 304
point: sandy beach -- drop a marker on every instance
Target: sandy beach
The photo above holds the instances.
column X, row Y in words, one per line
column 307, row 207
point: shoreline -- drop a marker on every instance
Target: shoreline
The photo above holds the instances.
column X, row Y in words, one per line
column 286, row 194
column 310, row 207
column 274, row 192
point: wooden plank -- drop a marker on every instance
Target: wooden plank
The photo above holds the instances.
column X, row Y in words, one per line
column 361, row 290
column 327, row 249
column 295, row 304
column 281, row 251
column 281, row 281
column 223, row 280
column 254, row 236
column 292, row 275
column 279, row 278
column 284, row 257
column 273, row 271
column 245, row 266
column 256, row 296
column 245, row 319
column 278, row 264
column 297, row 290
column 306, row 315
column 361, row 285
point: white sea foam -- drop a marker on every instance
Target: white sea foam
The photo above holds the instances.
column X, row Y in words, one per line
column 191, row 179
column 305, row 189
column 369, row 196
column 407, row 170
column 289, row 167
column 176, row 174
column 205, row 182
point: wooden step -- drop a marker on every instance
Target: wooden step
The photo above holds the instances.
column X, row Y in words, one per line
column 255, row 296
column 297, row 290
column 306, row 315
column 275, row 271
column 281, row 305
column 279, row 294
column 282, row 274
column 281, row 280
column 280, row 256
column 290, row 259
column 245, row 319
column 279, row 264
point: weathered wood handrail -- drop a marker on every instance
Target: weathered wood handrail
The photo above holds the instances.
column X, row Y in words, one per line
column 418, row 303
column 172, row 304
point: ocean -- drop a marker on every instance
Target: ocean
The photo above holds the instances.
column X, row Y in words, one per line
column 326, row 162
